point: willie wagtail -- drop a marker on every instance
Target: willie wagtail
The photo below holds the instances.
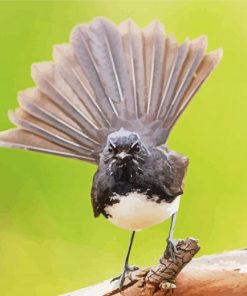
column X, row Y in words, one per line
column 111, row 97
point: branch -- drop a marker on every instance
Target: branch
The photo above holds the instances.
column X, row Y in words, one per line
column 222, row 275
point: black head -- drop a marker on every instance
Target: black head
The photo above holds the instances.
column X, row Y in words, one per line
column 124, row 151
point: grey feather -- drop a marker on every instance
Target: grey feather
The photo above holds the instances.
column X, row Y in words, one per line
column 173, row 75
column 193, row 60
column 154, row 45
column 27, row 122
column 52, row 84
column 171, row 52
column 209, row 62
column 107, row 49
column 21, row 139
column 133, row 48
column 57, row 122
column 73, row 75
column 80, row 44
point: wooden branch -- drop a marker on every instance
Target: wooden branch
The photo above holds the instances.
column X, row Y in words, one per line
column 222, row 275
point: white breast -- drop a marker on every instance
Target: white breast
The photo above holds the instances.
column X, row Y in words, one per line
column 135, row 211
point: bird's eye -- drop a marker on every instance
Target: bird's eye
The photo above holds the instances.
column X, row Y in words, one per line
column 110, row 149
column 137, row 148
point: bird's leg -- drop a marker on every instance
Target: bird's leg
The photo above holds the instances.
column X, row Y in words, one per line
column 126, row 268
column 171, row 243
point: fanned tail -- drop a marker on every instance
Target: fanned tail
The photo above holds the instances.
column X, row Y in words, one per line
column 108, row 77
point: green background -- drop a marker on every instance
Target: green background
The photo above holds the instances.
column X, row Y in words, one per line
column 49, row 241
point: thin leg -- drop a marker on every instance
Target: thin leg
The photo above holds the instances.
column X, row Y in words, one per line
column 171, row 244
column 126, row 263
column 172, row 226
column 126, row 267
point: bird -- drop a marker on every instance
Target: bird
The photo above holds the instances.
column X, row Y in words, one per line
column 111, row 96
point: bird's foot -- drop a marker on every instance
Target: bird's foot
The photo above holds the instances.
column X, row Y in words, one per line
column 122, row 277
column 171, row 249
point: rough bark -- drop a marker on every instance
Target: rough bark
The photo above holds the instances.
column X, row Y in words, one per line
column 222, row 275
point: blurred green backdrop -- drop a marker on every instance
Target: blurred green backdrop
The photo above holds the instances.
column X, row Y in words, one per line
column 49, row 241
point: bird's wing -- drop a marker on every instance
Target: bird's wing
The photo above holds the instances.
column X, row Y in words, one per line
column 176, row 168
column 106, row 78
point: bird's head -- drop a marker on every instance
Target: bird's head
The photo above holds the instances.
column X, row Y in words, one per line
column 124, row 151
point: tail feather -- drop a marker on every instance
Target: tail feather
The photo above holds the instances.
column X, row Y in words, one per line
column 21, row 118
column 107, row 48
column 22, row 139
column 193, row 59
column 154, row 46
column 209, row 62
column 50, row 114
column 52, row 84
column 181, row 54
column 35, row 96
column 86, row 60
column 109, row 77
column 132, row 41
column 73, row 75
column 171, row 51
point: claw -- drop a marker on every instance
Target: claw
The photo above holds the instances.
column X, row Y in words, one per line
column 122, row 277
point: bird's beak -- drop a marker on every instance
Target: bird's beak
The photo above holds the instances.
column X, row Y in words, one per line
column 122, row 155
column 123, row 158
